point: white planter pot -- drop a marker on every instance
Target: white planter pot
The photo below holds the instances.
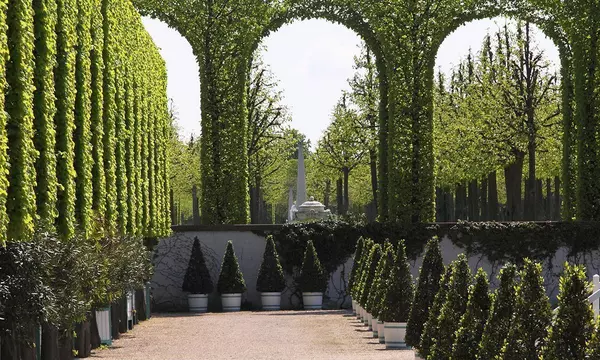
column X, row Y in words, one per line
column 370, row 321
column 365, row 317
column 353, row 307
column 231, row 302
column 312, row 300
column 104, row 328
column 395, row 334
column 271, row 301
column 374, row 327
column 130, row 305
column 198, row 303
column 381, row 331
column 358, row 311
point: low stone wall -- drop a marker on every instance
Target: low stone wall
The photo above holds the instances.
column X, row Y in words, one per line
column 172, row 256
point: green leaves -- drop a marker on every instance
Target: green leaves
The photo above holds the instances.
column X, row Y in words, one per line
column 270, row 276
column 197, row 278
column 231, row 279
column 397, row 302
column 312, row 275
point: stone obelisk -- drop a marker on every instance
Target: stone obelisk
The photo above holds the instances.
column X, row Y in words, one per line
column 301, row 180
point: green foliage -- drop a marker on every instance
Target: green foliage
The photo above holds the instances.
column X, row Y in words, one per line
column 431, row 328
column 44, row 110
column 356, row 265
column 312, row 275
column 472, row 323
column 593, row 348
column 380, row 281
column 364, row 273
column 231, row 279
column 453, row 309
column 531, row 318
column 270, row 275
column 369, row 274
column 18, row 104
column 573, row 323
column 396, row 304
column 197, row 279
column 64, row 74
column 427, row 288
column 3, row 136
column 358, row 282
column 501, row 312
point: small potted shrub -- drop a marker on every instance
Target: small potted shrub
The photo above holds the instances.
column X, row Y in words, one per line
column 231, row 283
column 370, row 277
column 312, row 279
column 271, row 281
column 395, row 306
column 197, row 281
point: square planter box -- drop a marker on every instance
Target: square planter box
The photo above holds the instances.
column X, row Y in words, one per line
column 104, row 325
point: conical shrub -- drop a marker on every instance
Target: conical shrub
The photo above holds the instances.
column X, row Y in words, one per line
column 362, row 274
column 573, row 324
column 197, row 277
column 381, row 281
column 429, row 283
column 468, row 336
column 231, row 279
column 356, row 265
column 501, row 312
column 396, row 304
column 270, row 275
column 312, row 275
column 432, row 326
column 453, row 309
column 373, row 261
column 531, row 317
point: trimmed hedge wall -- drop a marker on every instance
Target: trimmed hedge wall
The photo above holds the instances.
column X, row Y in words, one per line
column 82, row 144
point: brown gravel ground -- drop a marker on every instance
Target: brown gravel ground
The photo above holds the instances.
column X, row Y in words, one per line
column 334, row 335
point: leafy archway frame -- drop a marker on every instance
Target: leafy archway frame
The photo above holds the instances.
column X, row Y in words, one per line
column 405, row 36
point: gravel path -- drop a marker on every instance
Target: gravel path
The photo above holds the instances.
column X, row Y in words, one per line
column 331, row 335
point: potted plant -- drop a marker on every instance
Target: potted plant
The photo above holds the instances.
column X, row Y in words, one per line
column 312, row 279
column 373, row 261
column 271, row 281
column 231, row 282
column 395, row 306
column 197, row 281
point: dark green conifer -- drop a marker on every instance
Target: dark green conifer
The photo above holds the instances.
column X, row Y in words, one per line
column 231, row 279
column 312, row 275
column 396, row 304
column 380, row 282
column 356, row 265
column 270, row 275
column 573, row 324
column 500, row 318
column 531, row 318
column 373, row 261
column 429, row 283
column 468, row 336
column 431, row 327
column 453, row 309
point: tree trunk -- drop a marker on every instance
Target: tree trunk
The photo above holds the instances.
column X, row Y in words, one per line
column 340, row 196
column 557, row 202
column 539, row 200
column 548, row 211
column 439, row 205
column 473, row 201
column 514, row 178
column 492, row 196
column 461, row 202
column 195, row 206
column 484, row 195
column 374, row 183
column 346, row 172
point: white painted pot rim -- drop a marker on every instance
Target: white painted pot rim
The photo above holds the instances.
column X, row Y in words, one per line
column 273, row 293
column 231, row 295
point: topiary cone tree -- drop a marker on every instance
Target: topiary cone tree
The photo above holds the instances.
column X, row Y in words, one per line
column 356, row 265
column 396, row 304
column 501, row 312
column 429, row 283
column 312, row 275
column 270, row 275
column 362, row 274
column 431, row 327
column 453, row 309
column 468, row 336
column 573, row 323
column 197, row 278
column 374, row 257
column 231, row 279
column 380, row 283
column 531, row 317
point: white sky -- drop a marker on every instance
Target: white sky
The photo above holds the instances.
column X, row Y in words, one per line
column 312, row 60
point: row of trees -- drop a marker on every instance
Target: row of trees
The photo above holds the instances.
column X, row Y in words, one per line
column 84, row 128
column 453, row 315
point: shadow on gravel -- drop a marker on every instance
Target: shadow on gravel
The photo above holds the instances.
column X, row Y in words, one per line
column 306, row 312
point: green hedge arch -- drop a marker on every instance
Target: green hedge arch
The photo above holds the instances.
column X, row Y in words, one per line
column 405, row 36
